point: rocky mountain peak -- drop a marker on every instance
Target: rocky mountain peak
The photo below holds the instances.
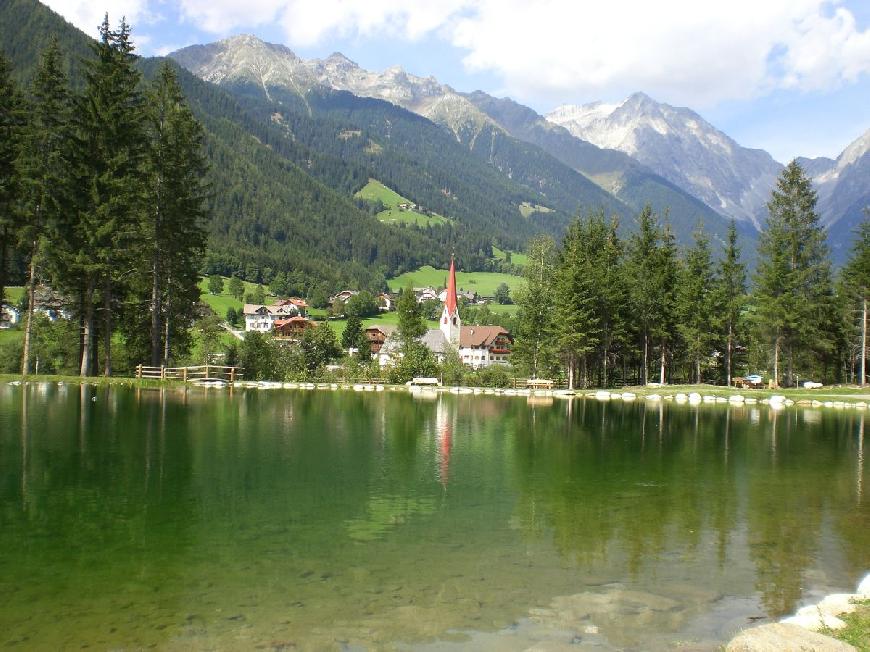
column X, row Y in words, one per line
column 680, row 145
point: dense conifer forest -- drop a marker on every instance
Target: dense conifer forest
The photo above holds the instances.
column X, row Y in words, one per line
column 123, row 180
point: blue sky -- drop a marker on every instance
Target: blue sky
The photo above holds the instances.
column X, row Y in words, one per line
column 788, row 76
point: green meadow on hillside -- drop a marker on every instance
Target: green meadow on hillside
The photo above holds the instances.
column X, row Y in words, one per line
column 516, row 257
column 376, row 191
column 14, row 294
column 526, row 209
column 221, row 302
column 387, row 318
column 484, row 283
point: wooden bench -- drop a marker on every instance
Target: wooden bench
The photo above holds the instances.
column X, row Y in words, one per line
column 424, row 380
column 539, row 383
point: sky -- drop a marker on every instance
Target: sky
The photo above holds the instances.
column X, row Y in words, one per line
column 788, row 76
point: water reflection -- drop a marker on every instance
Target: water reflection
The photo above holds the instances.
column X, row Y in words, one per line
column 146, row 517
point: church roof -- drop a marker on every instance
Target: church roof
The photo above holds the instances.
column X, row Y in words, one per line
column 477, row 336
column 450, row 301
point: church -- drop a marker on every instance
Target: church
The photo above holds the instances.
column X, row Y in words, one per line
column 478, row 346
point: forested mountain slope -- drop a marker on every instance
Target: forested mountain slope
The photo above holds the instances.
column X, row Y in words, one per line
column 281, row 190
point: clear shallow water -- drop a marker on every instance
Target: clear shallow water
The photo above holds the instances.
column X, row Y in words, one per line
column 342, row 520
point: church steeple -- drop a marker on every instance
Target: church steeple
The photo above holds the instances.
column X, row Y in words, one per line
column 450, row 322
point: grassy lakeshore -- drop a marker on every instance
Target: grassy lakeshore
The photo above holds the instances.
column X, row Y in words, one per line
column 823, row 394
column 832, row 393
column 857, row 629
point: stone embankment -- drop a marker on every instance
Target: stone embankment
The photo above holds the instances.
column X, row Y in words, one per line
column 775, row 402
column 802, row 631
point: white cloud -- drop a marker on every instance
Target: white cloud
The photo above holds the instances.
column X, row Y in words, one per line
column 225, row 16
column 307, row 22
column 88, row 15
column 684, row 51
column 687, row 51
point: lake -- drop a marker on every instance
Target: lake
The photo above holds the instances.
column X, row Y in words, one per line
column 279, row 520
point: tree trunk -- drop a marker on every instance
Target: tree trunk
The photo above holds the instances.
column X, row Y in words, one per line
column 166, row 342
column 864, row 340
column 28, row 326
column 156, row 329
column 645, row 356
column 662, row 366
column 605, row 366
column 3, row 237
column 728, row 354
column 571, row 372
column 698, row 370
column 776, row 363
column 87, row 328
column 585, row 373
column 107, row 327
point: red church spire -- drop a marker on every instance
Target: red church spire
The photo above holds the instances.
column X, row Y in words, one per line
column 450, row 301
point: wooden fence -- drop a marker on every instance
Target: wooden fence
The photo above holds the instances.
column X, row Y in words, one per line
column 200, row 372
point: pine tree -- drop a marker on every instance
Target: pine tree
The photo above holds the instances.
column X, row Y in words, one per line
column 45, row 171
column 641, row 274
column 794, row 296
column 173, row 222
column 101, row 239
column 696, row 303
column 535, row 346
column 237, row 288
column 353, row 332
column 666, row 274
column 411, row 324
column 855, row 285
column 731, row 297
column 576, row 322
column 611, row 295
column 11, row 130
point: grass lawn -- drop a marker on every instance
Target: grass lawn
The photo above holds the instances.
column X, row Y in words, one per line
column 387, row 318
column 527, row 209
column 376, row 191
column 220, row 302
column 11, row 335
column 504, row 309
column 516, row 257
column 857, row 629
column 484, row 283
column 14, row 294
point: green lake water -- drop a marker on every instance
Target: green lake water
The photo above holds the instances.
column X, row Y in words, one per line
column 280, row 520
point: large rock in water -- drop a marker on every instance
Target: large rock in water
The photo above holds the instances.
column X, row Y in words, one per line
column 784, row 637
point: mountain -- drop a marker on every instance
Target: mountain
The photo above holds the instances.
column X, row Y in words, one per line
column 499, row 132
column 844, row 192
column 269, row 214
column 389, row 106
column 682, row 147
column 615, row 171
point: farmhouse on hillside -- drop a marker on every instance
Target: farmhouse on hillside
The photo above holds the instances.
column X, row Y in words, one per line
column 262, row 319
column 478, row 346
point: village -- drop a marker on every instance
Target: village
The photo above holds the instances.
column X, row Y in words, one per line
column 478, row 347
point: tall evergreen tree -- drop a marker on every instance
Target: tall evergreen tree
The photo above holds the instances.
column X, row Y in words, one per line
column 45, row 171
column 174, row 216
column 108, row 157
column 576, row 322
column 855, row 286
column 650, row 270
column 11, row 128
column 731, row 299
column 535, row 346
column 794, row 297
column 411, row 324
column 611, row 295
column 667, row 273
column 696, row 303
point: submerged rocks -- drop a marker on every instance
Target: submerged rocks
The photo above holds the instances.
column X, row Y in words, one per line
column 784, row 637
